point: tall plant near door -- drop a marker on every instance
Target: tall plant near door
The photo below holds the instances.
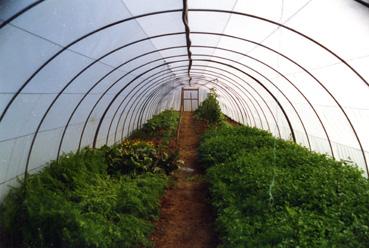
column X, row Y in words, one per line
column 209, row 110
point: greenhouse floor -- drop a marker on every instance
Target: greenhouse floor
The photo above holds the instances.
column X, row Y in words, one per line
column 186, row 218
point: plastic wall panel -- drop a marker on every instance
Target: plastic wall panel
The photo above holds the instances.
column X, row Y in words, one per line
column 29, row 109
column 8, row 8
column 21, row 54
column 58, row 114
column 40, row 155
column 108, row 39
column 39, row 94
column 13, row 158
column 142, row 7
column 106, row 81
column 71, row 138
column 63, row 21
column 88, row 78
column 337, row 31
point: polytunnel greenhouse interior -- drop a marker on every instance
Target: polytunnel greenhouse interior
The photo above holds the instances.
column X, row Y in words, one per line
column 192, row 123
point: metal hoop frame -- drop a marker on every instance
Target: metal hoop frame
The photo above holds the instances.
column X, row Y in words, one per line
column 208, row 33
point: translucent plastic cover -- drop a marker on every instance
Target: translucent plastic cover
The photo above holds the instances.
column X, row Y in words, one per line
column 87, row 73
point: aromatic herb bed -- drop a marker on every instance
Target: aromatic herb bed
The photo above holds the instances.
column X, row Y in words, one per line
column 106, row 197
column 273, row 193
column 161, row 127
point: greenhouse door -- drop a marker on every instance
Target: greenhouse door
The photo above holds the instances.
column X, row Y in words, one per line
column 190, row 99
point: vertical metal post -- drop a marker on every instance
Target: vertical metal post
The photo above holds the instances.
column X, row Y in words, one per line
column 181, row 109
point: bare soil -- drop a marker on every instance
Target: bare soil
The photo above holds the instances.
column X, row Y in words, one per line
column 186, row 218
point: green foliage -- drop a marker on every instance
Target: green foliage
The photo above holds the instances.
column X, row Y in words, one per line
column 273, row 193
column 137, row 157
column 222, row 143
column 162, row 126
column 77, row 203
column 209, row 110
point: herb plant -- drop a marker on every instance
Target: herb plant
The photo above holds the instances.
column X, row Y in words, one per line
column 105, row 197
column 209, row 110
column 273, row 193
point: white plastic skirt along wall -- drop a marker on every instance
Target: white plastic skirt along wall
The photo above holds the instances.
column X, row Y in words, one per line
column 87, row 73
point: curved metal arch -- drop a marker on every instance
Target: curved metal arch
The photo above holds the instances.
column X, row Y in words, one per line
column 151, row 110
column 110, row 53
column 102, row 79
column 344, row 113
column 231, row 97
column 152, row 99
column 129, row 60
column 68, row 121
column 139, row 113
column 149, row 101
column 194, row 10
column 119, row 48
column 230, row 88
column 105, row 76
column 230, row 80
column 124, row 110
column 140, row 96
column 316, row 80
column 245, row 95
column 127, row 96
column 291, row 83
column 218, row 76
column 78, row 40
column 263, row 100
column 25, row 9
column 169, row 80
column 100, row 58
column 100, row 124
column 147, row 87
column 290, row 29
column 39, row 126
column 263, row 86
column 155, row 91
column 136, row 92
column 124, row 99
column 278, row 89
column 256, row 80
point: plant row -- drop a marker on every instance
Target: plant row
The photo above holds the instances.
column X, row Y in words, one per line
column 161, row 127
column 209, row 110
column 105, row 197
column 273, row 193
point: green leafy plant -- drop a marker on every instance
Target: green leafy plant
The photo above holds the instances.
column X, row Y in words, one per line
column 209, row 110
column 105, row 197
column 134, row 157
column 162, row 127
column 273, row 193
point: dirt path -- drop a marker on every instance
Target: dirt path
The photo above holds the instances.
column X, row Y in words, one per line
column 186, row 219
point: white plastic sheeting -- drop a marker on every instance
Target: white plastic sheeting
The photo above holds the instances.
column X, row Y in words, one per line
column 82, row 73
